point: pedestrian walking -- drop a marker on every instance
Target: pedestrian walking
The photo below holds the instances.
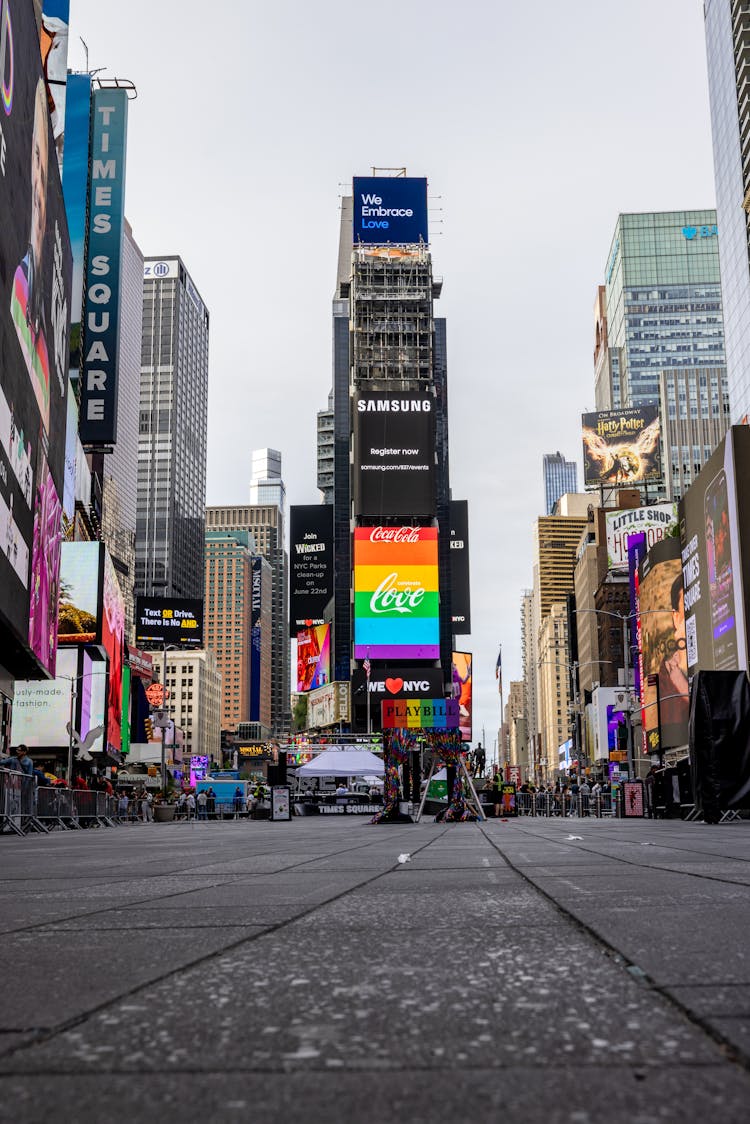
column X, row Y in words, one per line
column 190, row 805
column 146, row 810
column 202, row 802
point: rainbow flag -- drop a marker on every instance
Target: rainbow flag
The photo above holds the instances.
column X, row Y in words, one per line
column 396, row 598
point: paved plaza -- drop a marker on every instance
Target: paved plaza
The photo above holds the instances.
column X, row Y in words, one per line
column 550, row 970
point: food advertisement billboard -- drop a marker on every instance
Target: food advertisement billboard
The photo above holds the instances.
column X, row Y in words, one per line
column 310, row 564
column 394, row 454
column 661, row 630
column 169, row 620
column 715, row 538
column 35, row 289
column 313, row 657
column 396, row 598
column 622, row 447
column 462, row 692
column 655, row 521
column 389, row 210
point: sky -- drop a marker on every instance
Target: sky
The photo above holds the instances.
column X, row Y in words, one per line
column 536, row 125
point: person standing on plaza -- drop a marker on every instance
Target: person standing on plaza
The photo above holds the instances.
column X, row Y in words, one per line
column 190, row 803
column 211, row 803
column 202, row 802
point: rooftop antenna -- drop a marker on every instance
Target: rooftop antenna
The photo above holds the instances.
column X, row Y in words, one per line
column 86, row 50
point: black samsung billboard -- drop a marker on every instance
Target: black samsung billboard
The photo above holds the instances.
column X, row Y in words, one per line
column 35, row 287
column 459, row 568
column 394, row 454
column 715, row 542
column 169, row 620
column 310, row 564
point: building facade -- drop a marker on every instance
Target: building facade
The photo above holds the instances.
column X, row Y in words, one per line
column 560, row 476
column 694, row 417
column 172, row 428
column 265, row 523
column 727, row 24
column 227, row 619
column 663, row 315
column 193, row 680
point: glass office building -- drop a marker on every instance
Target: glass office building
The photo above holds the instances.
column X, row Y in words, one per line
column 560, row 476
column 173, row 415
column 665, row 333
column 728, row 54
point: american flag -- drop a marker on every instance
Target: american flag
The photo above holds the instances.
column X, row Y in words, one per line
column 366, row 665
column 499, row 670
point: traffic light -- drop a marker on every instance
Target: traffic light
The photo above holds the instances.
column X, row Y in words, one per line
column 149, row 727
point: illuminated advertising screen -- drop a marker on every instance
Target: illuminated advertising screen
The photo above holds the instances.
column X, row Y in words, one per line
column 113, row 639
column 53, row 41
column 425, row 714
column 389, row 210
column 462, row 688
column 92, row 709
column 310, row 564
column 621, row 447
column 313, row 657
column 80, row 593
column 101, row 307
column 169, row 620
column 661, row 611
column 35, row 289
column 396, row 599
column 256, row 606
column 41, row 708
column 394, row 454
column 715, row 538
column 655, row 521
column 459, row 566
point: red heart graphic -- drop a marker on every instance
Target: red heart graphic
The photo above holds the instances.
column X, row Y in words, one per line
column 394, row 685
column 308, row 623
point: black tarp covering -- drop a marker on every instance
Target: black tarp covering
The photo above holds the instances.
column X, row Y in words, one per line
column 719, row 739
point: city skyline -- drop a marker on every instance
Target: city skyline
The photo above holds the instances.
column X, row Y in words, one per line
column 537, row 231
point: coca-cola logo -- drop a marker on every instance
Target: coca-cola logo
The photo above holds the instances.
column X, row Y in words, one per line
column 394, row 534
column 393, row 596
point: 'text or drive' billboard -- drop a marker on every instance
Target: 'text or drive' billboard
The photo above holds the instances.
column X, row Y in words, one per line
column 396, row 599
column 389, row 210
column 169, row 620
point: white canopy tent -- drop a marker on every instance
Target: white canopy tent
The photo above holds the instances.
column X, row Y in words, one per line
column 343, row 763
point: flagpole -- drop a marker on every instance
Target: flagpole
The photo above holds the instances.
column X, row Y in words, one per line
column 500, row 739
column 367, row 692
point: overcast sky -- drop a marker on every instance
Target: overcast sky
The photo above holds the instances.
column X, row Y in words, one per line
column 536, row 125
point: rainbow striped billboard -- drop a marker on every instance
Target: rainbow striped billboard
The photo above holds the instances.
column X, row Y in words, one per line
column 420, row 714
column 396, row 600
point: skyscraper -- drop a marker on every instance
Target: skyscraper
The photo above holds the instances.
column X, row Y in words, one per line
column 727, row 37
column 266, row 524
column 560, row 476
column 389, row 356
column 661, row 318
column 238, row 600
column 172, row 433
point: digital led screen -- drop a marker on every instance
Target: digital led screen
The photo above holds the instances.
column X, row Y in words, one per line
column 396, row 598
column 169, row 620
column 621, row 447
column 389, row 210
column 313, row 657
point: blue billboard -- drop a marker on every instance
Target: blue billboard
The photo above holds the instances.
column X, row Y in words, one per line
column 389, row 210
column 75, row 178
column 100, row 340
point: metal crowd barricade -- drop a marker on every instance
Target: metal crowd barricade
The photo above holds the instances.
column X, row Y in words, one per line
column 18, row 807
column 564, row 804
column 55, row 807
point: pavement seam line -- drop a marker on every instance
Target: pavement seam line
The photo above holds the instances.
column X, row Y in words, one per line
column 732, row 1052
column 78, row 1020
column 630, row 862
column 230, row 880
